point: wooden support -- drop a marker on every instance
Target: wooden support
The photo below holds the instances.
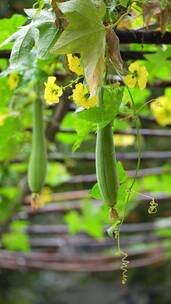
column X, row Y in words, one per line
column 143, row 37
column 52, row 262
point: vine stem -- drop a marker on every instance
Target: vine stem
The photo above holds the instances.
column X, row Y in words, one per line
column 138, row 111
column 120, row 18
column 138, row 144
column 72, row 82
column 139, row 148
column 138, row 135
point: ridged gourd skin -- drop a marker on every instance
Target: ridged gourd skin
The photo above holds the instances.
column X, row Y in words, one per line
column 38, row 158
column 106, row 166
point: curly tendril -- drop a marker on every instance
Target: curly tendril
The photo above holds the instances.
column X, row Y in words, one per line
column 114, row 232
column 124, row 260
column 152, row 207
column 124, row 267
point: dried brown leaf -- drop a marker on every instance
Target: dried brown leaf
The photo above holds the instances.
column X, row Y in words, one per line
column 150, row 9
column 95, row 80
column 114, row 49
column 154, row 9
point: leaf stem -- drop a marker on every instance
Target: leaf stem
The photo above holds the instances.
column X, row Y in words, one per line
column 58, row 13
column 72, row 82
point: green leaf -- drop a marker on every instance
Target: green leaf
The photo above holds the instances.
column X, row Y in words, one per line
column 139, row 96
column 159, row 64
column 57, row 174
column 67, row 138
column 108, row 111
column 5, row 93
column 91, row 220
column 48, row 32
column 95, row 192
column 164, row 232
column 124, row 3
column 83, row 128
column 17, row 238
column 16, row 241
column 10, row 26
column 122, row 174
column 84, row 34
column 11, row 137
column 24, row 43
column 18, row 226
column 45, row 16
column 48, row 35
column 74, row 222
column 121, row 200
column 41, row 33
column 120, row 124
column 122, row 192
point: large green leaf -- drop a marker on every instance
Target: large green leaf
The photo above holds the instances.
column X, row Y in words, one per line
column 84, row 34
column 40, row 33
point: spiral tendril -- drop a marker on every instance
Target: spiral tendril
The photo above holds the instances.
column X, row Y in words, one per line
column 124, row 268
column 124, row 260
column 152, row 207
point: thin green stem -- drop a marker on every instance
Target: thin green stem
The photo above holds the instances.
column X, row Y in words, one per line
column 120, row 18
column 72, row 82
column 138, row 144
column 139, row 149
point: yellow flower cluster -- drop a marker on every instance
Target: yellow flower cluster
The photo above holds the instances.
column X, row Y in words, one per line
column 124, row 140
column 161, row 109
column 74, row 64
column 52, row 91
column 137, row 77
column 81, row 97
column 13, row 80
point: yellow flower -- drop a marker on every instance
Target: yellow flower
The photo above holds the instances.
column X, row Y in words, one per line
column 138, row 76
column 52, row 91
column 45, row 197
column 80, row 97
column 124, row 140
column 13, row 81
column 39, row 200
column 2, row 119
column 74, row 64
column 161, row 109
